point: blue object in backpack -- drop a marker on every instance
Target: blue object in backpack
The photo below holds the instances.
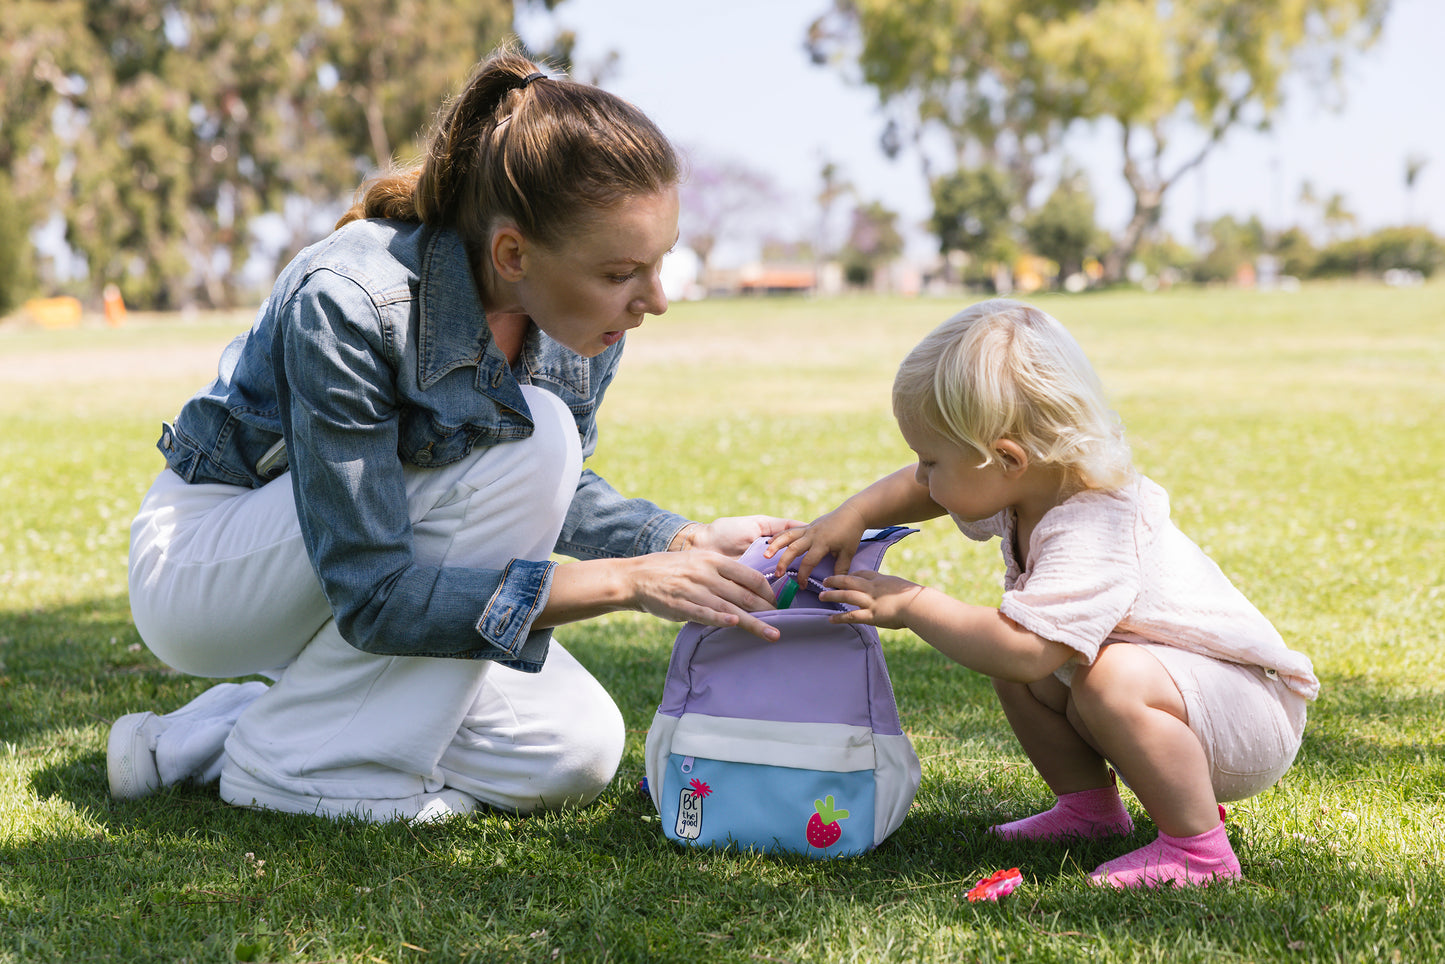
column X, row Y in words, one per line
column 793, row 746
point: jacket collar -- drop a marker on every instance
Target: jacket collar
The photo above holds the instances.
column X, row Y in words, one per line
column 453, row 329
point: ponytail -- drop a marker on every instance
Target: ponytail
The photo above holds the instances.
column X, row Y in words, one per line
column 391, row 196
column 516, row 145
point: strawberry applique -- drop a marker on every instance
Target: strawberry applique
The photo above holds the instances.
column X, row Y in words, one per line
column 823, row 828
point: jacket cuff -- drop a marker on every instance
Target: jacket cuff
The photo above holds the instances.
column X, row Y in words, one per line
column 658, row 532
column 506, row 621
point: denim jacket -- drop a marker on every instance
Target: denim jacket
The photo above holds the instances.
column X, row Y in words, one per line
column 373, row 352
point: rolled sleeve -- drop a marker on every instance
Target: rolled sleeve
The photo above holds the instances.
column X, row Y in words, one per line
column 506, row 622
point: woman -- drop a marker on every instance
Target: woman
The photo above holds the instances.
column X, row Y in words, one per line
column 363, row 504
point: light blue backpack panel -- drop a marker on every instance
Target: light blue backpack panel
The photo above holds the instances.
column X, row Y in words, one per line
column 793, row 746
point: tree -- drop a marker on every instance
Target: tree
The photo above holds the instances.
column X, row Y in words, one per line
column 833, row 187
column 44, row 51
column 160, row 129
column 718, row 197
column 873, row 241
column 386, row 76
column 1411, row 248
column 1234, row 245
column 16, row 256
column 1063, row 228
column 972, row 214
column 1296, row 252
column 1006, row 78
column 1337, row 217
column 1414, row 164
column 945, row 65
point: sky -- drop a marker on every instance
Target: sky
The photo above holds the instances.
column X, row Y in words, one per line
column 729, row 80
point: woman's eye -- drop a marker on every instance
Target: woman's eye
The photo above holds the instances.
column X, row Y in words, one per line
column 621, row 278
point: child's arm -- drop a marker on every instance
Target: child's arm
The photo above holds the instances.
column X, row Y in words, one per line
column 893, row 500
column 983, row 639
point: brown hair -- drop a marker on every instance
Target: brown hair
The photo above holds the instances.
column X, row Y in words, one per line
column 542, row 153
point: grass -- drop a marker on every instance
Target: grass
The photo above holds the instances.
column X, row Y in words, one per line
column 1299, row 436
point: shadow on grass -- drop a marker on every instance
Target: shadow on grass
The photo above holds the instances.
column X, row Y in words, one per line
column 77, row 664
column 177, row 863
column 609, row 871
column 83, row 664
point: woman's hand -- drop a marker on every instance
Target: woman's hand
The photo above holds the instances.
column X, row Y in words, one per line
column 730, row 535
column 882, row 601
column 836, row 534
column 702, row 586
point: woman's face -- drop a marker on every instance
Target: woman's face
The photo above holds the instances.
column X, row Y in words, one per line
column 588, row 291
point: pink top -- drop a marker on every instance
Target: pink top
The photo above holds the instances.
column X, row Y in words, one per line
column 1110, row 566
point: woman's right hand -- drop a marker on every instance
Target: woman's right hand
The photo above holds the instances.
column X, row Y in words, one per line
column 701, row 586
column 837, row 534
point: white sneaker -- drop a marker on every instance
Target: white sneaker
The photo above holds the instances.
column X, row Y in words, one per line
column 241, row 789
column 130, row 756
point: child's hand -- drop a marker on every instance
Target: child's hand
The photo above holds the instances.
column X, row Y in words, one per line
column 881, row 600
column 731, row 535
column 836, row 534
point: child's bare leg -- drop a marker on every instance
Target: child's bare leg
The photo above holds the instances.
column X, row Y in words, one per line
column 1134, row 712
column 1038, row 714
column 1061, row 749
column 1135, row 715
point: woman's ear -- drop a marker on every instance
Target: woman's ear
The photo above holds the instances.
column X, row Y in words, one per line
column 1011, row 456
column 507, row 249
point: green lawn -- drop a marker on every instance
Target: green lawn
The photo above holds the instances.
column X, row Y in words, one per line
column 1299, row 435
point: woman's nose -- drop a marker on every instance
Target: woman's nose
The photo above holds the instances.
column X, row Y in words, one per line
column 653, row 301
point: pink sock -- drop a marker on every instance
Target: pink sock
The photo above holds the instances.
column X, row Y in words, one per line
column 1180, row 861
column 1086, row 813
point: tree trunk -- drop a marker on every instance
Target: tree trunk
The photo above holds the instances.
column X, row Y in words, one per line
column 1116, row 260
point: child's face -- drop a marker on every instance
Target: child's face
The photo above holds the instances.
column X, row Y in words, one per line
column 953, row 476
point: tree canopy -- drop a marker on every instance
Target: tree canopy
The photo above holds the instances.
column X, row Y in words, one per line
column 1004, row 80
column 159, row 130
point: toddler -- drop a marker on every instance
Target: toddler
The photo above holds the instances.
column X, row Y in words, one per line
column 1118, row 642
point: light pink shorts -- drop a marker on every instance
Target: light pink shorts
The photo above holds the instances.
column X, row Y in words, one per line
column 1249, row 722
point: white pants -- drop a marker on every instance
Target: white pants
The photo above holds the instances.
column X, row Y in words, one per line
column 221, row 585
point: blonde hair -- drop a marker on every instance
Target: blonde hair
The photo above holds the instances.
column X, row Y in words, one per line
column 541, row 152
column 1002, row 369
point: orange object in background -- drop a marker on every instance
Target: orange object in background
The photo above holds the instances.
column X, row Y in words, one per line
column 114, row 306
column 63, row 312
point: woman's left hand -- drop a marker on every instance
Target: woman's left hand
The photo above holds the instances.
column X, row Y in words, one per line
column 731, row 535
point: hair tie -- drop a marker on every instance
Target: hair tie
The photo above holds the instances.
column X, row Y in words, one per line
column 526, row 81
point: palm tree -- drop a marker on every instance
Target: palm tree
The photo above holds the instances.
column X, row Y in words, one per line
column 1337, row 216
column 1414, row 164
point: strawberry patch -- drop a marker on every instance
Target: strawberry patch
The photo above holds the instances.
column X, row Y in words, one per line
column 824, row 829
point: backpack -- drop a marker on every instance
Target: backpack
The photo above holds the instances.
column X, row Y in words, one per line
column 793, row 746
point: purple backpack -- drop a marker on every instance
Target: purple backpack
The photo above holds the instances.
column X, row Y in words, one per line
column 793, row 746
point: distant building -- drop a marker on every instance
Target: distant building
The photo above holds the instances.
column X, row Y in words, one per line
column 776, row 279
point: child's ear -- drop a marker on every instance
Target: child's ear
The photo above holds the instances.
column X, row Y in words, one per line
column 1011, row 456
